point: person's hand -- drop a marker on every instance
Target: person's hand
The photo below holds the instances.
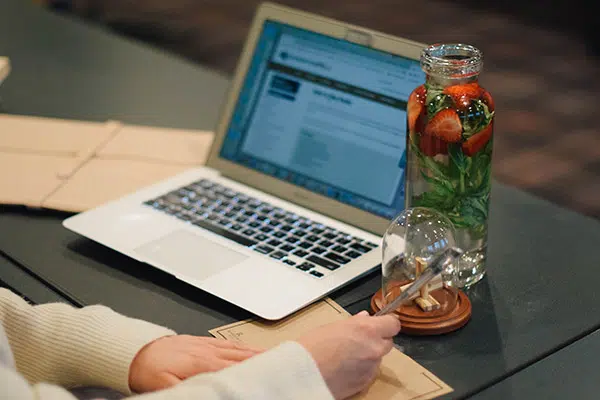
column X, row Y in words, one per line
column 348, row 353
column 171, row 359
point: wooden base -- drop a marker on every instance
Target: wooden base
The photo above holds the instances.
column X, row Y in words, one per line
column 453, row 315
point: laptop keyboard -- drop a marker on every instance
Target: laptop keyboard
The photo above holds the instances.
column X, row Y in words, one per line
column 311, row 247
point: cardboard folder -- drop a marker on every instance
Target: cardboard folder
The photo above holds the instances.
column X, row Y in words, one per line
column 76, row 165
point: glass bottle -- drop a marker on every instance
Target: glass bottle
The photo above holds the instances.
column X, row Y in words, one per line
column 450, row 124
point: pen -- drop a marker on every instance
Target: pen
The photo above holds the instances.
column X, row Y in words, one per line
column 441, row 262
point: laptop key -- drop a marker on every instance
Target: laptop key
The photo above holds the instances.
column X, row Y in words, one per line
column 337, row 258
column 236, row 227
column 305, row 266
column 317, row 274
column 317, row 231
column 230, row 214
column 248, row 232
column 319, row 250
column 343, row 240
column 287, row 228
column 254, row 224
column 212, row 217
column 325, row 243
column 244, row 241
column 330, row 235
column 274, row 242
column 241, row 199
column 287, row 248
column 289, row 262
column 323, row 262
column 300, row 253
column 263, row 249
column 360, row 247
column 353, row 254
column 279, row 234
column 261, row 237
column 278, row 255
column 371, row 244
column 299, row 233
column 339, row 249
column 305, row 245
column 224, row 222
column 241, row 219
column 292, row 239
column 312, row 238
column 266, row 229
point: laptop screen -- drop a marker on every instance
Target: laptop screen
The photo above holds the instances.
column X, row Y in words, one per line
column 327, row 115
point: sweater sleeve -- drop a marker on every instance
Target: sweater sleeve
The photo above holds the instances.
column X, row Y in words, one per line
column 286, row 372
column 66, row 346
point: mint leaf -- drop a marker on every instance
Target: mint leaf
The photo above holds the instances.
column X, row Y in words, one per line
column 437, row 103
column 475, row 118
column 458, row 158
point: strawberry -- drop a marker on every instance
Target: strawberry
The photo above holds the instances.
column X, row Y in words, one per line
column 478, row 140
column 445, row 125
column 462, row 95
column 416, row 105
column 432, row 146
column 486, row 97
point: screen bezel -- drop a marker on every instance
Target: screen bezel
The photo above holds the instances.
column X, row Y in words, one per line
column 277, row 187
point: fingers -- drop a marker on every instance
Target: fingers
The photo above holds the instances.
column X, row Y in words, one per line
column 386, row 326
column 227, row 344
column 236, row 354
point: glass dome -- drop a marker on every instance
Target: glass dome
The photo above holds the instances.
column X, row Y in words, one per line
column 414, row 239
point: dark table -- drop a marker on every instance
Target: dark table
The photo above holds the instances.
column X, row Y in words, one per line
column 571, row 373
column 539, row 295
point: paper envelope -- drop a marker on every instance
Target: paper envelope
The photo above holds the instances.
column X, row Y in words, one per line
column 400, row 377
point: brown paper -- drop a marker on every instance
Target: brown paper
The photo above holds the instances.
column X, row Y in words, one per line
column 28, row 178
column 100, row 181
column 173, row 146
column 75, row 165
column 400, row 377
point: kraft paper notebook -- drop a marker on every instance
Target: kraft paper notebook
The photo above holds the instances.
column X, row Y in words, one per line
column 75, row 165
column 400, row 377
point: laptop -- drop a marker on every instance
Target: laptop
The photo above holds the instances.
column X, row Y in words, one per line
column 305, row 172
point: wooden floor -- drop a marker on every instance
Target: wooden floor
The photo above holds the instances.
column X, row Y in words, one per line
column 545, row 83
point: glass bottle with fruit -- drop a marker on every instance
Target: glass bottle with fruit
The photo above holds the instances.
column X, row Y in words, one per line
column 450, row 124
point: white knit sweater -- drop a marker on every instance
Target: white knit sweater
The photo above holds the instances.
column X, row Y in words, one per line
column 56, row 346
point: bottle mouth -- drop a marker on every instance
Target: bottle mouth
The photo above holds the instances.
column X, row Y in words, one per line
column 455, row 60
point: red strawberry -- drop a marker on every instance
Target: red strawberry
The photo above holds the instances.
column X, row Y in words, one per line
column 486, row 97
column 462, row 95
column 445, row 125
column 416, row 105
column 432, row 146
column 478, row 140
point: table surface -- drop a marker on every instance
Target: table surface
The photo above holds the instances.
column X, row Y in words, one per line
column 538, row 297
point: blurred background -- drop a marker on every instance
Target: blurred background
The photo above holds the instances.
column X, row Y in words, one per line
column 541, row 66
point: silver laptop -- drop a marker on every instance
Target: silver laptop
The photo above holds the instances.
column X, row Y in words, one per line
column 304, row 174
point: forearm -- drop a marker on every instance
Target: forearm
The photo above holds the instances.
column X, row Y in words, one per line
column 60, row 344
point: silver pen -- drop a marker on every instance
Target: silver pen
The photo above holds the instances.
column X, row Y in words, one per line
column 441, row 262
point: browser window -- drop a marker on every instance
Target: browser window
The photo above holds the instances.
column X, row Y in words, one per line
column 327, row 115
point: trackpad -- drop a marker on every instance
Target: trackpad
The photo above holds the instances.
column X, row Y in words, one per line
column 190, row 255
